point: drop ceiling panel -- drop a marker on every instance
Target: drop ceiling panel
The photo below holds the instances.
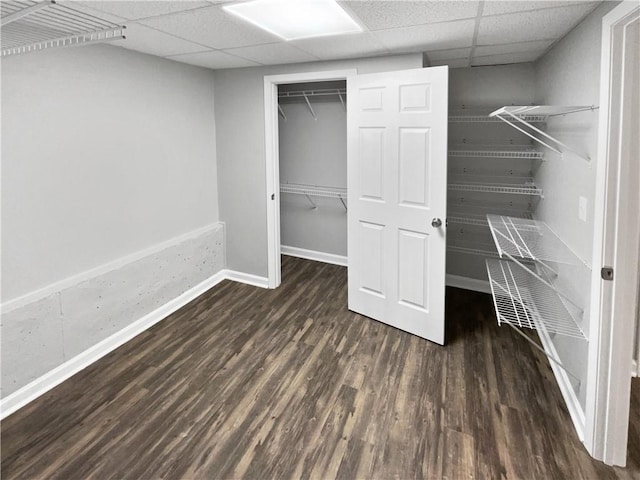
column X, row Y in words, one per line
column 453, row 63
column 536, row 25
column 507, row 58
column 147, row 40
column 343, row 46
column 214, row 59
column 378, row 15
column 437, row 55
column 516, row 47
column 499, row 7
column 212, row 27
column 273, row 54
column 135, row 10
column 436, row 36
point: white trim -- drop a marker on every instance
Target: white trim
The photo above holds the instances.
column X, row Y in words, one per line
column 466, row 283
column 635, row 368
column 272, row 161
column 65, row 283
column 54, row 377
column 608, row 381
column 249, row 279
column 564, row 382
column 314, row 255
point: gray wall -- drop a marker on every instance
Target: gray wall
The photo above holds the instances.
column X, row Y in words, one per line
column 570, row 75
column 313, row 152
column 108, row 157
column 239, row 107
column 484, row 89
column 105, row 152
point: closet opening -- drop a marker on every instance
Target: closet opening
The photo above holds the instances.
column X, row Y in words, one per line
column 306, row 157
column 312, row 137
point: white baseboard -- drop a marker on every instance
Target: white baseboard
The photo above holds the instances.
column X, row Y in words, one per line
column 562, row 378
column 54, row 377
column 249, row 279
column 314, row 255
column 468, row 283
column 635, row 368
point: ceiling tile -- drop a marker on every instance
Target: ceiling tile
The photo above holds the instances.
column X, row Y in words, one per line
column 483, row 50
column 499, row 7
column 134, row 10
column 147, row 40
column 455, row 63
column 437, row 36
column 436, row 55
column 214, row 60
column 212, row 27
column 85, row 7
column 507, row 58
column 342, row 46
column 536, row 25
column 273, row 54
column 378, row 15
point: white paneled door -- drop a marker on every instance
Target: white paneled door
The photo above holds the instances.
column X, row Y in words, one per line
column 397, row 184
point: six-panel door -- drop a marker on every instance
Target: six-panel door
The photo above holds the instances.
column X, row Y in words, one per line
column 397, row 182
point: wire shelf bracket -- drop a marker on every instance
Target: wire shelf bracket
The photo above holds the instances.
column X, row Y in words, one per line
column 30, row 26
column 516, row 118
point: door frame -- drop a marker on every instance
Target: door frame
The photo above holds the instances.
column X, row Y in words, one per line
column 611, row 344
column 272, row 148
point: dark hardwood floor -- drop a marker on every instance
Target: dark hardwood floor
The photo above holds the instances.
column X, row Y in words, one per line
column 287, row 383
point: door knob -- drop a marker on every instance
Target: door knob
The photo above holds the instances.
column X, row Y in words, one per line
column 436, row 223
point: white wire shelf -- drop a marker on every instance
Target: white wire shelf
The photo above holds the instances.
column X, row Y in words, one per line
column 315, row 191
column 523, row 301
column 313, row 93
column 526, row 188
column 307, row 94
column 476, row 117
column 508, row 153
column 476, row 249
column 516, row 117
column 462, row 217
column 532, row 240
column 30, row 26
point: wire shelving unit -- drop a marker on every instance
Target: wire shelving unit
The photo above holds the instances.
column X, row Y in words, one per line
column 522, row 301
column 315, row 191
column 30, row 26
column 516, row 116
column 525, row 290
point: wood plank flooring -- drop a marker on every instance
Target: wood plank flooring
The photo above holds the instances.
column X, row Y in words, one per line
column 287, row 383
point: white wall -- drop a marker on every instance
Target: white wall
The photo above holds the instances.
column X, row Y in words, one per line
column 239, row 106
column 313, row 151
column 569, row 75
column 104, row 152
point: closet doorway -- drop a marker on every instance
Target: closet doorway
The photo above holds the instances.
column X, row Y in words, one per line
column 313, row 170
column 308, row 182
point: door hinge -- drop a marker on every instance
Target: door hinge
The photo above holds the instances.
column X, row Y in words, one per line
column 606, row 273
